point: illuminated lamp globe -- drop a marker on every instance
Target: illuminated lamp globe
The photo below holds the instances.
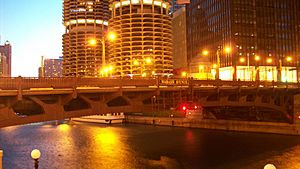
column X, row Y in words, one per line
column 269, row 166
column 35, row 154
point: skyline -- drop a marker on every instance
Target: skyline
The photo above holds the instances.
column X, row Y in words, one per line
column 34, row 29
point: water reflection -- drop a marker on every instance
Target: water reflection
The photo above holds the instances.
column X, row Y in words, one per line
column 93, row 146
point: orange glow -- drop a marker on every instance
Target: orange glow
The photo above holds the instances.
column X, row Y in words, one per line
column 148, row 60
column 111, row 36
column 92, row 42
column 269, row 60
column 257, row 58
column 64, row 127
column 205, row 52
column 289, row 59
column 242, row 60
column 183, row 74
column 135, row 63
column 227, row 49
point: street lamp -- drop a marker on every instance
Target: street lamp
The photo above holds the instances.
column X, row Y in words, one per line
column 183, row 74
column 111, row 36
column 269, row 61
column 35, row 155
column 257, row 59
column 269, row 166
column 205, row 52
column 93, row 42
column 227, row 50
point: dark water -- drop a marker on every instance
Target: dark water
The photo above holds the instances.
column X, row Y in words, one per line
column 95, row 146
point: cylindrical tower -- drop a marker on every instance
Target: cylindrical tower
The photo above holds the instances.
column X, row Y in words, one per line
column 85, row 21
column 144, row 43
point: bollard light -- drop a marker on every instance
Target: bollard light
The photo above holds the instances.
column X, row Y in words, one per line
column 269, row 166
column 35, row 155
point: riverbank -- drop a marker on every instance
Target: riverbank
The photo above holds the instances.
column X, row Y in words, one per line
column 228, row 125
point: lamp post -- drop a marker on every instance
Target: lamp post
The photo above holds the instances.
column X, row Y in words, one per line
column 111, row 36
column 257, row 59
column 35, row 155
column 227, row 50
column 269, row 166
column 218, row 65
column 279, row 77
column 1, row 155
column 269, row 61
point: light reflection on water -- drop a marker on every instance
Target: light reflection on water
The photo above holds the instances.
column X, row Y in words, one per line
column 94, row 146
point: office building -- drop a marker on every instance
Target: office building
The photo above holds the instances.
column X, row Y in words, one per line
column 5, row 52
column 85, row 24
column 179, row 40
column 143, row 46
column 51, row 68
column 263, row 36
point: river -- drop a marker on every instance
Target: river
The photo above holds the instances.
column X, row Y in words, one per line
column 75, row 145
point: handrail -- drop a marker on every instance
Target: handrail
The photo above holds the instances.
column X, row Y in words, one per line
column 14, row 83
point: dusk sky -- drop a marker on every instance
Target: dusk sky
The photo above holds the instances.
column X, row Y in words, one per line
column 34, row 28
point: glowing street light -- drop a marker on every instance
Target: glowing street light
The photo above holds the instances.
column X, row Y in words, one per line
column 289, row 59
column 148, row 60
column 93, row 42
column 257, row 58
column 242, row 60
column 35, row 155
column 269, row 60
column 183, row 74
column 227, row 50
column 205, row 52
column 111, row 37
column 136, row 63
column 269, row 166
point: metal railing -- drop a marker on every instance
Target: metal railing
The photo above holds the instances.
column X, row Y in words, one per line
column 15, row 83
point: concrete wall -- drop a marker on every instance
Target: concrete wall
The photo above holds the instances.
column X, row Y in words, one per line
column 228, row 125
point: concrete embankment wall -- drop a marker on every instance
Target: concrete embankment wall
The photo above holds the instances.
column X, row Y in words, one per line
column 229, row 125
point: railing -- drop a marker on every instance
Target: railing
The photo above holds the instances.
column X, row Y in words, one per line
column 15, row 83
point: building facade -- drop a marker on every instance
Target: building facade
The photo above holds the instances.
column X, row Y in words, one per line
column 85, row 24
column 263, row 37
column 179, row 40
column 5, row 52
column 144, row 38
column 178, row 4
column 51, row 68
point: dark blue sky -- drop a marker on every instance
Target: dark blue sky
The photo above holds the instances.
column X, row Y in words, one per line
column 34, row 28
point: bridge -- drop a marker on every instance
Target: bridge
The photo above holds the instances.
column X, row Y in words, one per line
column 28, row 100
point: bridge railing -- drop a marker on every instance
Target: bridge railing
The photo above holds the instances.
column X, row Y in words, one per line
column 27, row 82
column 68, row 82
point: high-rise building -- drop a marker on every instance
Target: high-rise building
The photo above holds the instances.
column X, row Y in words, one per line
column 263, row 36
column 51, row 68
column 177, row 4
column 179, row 40
column 3, row 66
column 144, row 43
column 5, row 51
column 85, row 24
